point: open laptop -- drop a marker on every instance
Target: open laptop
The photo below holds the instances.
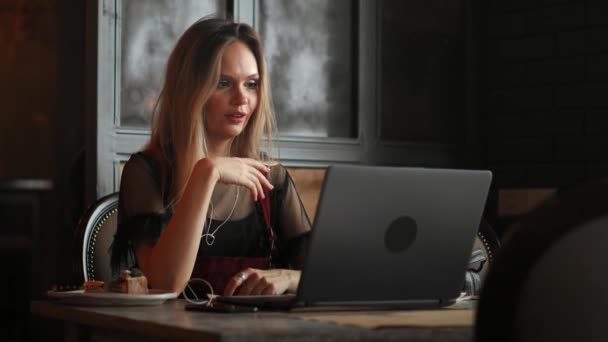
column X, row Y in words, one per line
column 395, row 237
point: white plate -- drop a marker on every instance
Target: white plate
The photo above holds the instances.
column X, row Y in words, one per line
column 79, row 297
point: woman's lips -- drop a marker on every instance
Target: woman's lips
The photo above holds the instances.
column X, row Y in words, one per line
column 236, row 118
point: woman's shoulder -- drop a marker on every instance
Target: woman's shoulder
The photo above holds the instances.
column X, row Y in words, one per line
column 144, row 156
column 278, row 174
column 141, row 164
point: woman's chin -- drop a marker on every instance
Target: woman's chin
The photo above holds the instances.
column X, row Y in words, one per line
column 233, row 132
column 227, row 132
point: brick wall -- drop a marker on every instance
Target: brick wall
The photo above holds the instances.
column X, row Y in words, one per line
column 547, row 91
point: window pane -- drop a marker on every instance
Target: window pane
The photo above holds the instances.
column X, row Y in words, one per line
column 309, row 49
column 423, row 70
column 150, row 29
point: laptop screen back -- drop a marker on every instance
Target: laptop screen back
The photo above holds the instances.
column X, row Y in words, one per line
column 392, row 235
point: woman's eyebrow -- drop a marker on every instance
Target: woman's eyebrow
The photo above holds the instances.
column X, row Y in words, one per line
column 233, row 78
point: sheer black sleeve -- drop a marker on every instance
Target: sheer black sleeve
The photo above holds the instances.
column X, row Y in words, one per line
column 291, row 222
column 141, row 213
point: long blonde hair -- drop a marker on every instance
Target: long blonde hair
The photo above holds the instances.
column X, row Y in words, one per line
column 178, row 138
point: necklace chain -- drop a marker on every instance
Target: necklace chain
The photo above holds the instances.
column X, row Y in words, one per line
column 210, row 235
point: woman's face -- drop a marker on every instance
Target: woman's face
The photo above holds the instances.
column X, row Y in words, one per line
column 235, row 98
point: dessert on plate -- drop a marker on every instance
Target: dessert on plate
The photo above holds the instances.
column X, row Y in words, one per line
column 92, row 286
column 130, row 281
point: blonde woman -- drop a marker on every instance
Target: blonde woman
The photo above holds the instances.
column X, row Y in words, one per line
column 202, row 200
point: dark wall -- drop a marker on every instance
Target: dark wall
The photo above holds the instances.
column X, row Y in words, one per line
column 546, row 91
column 70, row 128
column 27, row 88
column 42, row 136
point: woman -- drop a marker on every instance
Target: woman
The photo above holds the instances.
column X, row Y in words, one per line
column 183, row 209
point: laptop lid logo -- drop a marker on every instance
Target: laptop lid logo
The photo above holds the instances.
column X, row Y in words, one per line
column 400, row 235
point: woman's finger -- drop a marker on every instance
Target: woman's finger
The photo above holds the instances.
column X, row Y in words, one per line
column 250, row 283
column 233, row 283
column 258, row 186
column 271, row 289
column 258, row 165
column 237, row 280
column 255, row 186
column 260, row 286
column 250, row 184
column 263, row 180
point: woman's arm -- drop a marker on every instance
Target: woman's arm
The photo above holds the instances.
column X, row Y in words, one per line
column 168, row 264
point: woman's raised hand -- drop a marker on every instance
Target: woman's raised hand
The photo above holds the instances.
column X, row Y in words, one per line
column 245, row 172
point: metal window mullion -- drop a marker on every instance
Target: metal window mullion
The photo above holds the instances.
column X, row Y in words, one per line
column 245, row 11
column 106, row 100
column 368, row 90
column 115, row 165
column 118, row 63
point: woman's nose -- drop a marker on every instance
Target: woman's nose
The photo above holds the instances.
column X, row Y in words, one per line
column 240, row 96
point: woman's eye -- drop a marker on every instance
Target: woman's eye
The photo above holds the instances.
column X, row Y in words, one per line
column 252, row 84
column 223, row 83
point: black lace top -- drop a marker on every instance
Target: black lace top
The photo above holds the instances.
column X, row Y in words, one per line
column 242, row 232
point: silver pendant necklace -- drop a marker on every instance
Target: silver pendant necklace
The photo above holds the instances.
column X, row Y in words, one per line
column 210, row 235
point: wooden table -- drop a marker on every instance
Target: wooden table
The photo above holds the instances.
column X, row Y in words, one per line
column 170, row 321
